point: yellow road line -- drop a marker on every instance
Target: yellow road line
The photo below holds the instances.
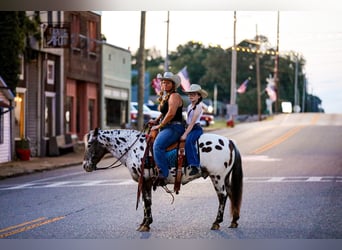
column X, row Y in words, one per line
column 22, row 224
column 26, row 228
column 278, row 140
column 315, row 119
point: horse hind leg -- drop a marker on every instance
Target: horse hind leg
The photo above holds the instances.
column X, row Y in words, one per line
column 222, row 197
column 234, row 184
column 147, row 199
column 232, row 188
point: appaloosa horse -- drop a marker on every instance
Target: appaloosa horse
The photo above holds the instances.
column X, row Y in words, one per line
column 219, row 156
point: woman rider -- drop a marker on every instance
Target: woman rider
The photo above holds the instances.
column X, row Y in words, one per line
column 170, row 121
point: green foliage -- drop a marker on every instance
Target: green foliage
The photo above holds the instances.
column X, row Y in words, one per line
column 23, row 143
column 210, row 66
column 15, row 28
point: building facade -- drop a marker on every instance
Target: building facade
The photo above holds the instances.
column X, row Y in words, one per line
column 116, row 86
column 6, row 105
column 82, row 62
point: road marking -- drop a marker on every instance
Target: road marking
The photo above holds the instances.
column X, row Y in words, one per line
column 27, row 226
column 277, row 141
column 263, row 158
column 122, row 182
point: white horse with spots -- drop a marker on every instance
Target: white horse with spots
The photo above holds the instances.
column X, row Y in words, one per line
column 220, row 160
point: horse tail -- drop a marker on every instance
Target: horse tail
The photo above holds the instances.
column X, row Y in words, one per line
column 236, row 182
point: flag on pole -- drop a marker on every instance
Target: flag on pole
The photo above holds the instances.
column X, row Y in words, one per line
column 243, row 87
column 156, row 85
column 185, row 80
column 271, row 93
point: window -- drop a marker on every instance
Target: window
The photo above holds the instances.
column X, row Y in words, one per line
column 50, row 112
column 75, row 31
column 68, row 113
column 19, row 114
column 21, row 67
column 91, row 110
column 92, row 36
column 50, row 72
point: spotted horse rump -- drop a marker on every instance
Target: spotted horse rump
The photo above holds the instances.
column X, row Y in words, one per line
column 219, row 156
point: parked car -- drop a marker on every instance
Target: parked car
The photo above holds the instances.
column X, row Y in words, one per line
column 207, row 120
column 134, row 114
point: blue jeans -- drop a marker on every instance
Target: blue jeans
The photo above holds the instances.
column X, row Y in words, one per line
column 168, row 135
column 190, row 146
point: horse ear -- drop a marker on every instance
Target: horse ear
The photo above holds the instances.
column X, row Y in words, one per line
column 96, row 132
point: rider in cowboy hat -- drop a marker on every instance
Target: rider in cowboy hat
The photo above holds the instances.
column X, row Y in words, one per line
column 193, row 128
column 169, row 123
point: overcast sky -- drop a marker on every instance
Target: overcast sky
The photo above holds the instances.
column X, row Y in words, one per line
column 317, row 35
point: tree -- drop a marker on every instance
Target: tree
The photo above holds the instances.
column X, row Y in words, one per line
column 15, row 29
column 209, row 66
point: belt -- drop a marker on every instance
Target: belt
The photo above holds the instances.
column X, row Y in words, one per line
column 175, row 122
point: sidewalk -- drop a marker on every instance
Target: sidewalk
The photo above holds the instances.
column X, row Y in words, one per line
column 39, row 164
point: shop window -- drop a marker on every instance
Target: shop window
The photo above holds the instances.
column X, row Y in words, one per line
column 19, row 114
column 50, row 114
column 50, row 72
column 68, row 114
column 91, row 106
column 21, row 67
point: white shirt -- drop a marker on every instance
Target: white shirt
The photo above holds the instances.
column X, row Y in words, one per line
column 191, row 112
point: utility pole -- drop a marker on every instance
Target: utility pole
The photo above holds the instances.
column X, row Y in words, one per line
column 296, row 87
column 141, row 71
column 276, row 69
column 166, row 67
column 233, row 71
column 304, row 91
column 257, row 63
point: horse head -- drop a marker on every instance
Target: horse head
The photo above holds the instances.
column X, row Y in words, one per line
column 94, row 150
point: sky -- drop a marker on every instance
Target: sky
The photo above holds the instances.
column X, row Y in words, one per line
column 316, row 35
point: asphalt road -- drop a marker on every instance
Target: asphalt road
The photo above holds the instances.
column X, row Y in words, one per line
column 292, row 190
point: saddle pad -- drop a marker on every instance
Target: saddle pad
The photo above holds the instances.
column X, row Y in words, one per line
column 171, row 157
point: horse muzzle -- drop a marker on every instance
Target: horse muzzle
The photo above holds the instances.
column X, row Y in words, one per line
column 88, row 167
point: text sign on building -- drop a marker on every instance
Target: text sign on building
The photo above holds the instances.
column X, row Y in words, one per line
column 57, row 36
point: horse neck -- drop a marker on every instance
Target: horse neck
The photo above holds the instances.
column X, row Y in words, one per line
column 120, row 142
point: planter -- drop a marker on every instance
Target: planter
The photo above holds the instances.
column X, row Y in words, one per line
column 23, row 154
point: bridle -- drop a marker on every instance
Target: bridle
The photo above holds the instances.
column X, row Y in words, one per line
column 114, row 164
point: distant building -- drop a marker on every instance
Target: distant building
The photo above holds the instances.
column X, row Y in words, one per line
column 116, row 86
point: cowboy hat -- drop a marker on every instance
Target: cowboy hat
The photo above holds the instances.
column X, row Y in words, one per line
column 195, row 88
column 170, row 76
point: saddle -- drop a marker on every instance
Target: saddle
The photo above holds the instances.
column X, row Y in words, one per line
column 180, row 157
column 148, row 156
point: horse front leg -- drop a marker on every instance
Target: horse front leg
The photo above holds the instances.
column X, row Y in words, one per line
column 147, row 199
column 222, row 204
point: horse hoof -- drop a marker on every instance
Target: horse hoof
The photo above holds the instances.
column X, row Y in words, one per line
column 233, row 225
column 143, row 228
column 215, row 226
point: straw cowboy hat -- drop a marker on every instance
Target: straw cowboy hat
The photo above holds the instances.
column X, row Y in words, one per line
column 170, row 76
column 195, row 88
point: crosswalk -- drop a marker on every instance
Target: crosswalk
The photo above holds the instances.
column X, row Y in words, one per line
column 120, row 182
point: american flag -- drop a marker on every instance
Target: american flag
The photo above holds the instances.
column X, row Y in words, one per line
column 243, row 87
column 156, row 85
column 185, row 80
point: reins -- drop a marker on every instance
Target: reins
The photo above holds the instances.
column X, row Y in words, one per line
column 126, row 151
